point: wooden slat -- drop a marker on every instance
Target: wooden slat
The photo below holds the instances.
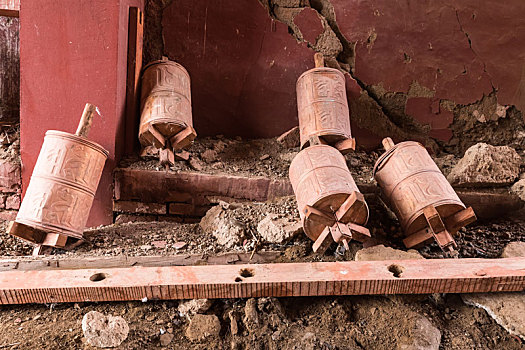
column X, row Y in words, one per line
column 9, row 8
column 57, row 263
column 292, row 279
column 135, row 45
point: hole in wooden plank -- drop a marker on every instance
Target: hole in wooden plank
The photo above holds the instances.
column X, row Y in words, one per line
column 98, row 277
column 396, row 270
column 247, row 273
column 238, row 279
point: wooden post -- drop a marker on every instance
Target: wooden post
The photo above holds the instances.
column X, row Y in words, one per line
column 388, row 143
column 86, row 120
column 319, row 60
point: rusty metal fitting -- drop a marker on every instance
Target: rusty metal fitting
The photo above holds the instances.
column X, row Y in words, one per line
column 63, row 185
column 418, row 193
column 327, row 196
column 323, row 108
column 166, row 106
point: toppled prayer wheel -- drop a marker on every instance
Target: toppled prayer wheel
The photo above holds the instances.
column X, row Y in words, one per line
column 322, row 107
column 62, row 187
column 326, row 193
column 418, row 193
column 166, row 106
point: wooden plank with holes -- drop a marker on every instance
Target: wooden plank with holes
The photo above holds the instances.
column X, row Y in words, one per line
column 245, row 281
column 135, row 45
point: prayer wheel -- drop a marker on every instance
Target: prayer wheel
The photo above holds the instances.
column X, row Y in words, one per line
column 418, row 193
column 166, row 119
column 62, row 187
column 323, row 108
column 327, row 197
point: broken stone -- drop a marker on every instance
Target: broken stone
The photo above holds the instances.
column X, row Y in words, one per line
column 234, row 326
column 380, row 252
column 104, row 331
column 251, row 319
column 514, row 250
column 194, row 306
column 209, row 156
column 166, row 338
column 274, row 229
column 422, row 336
column 264, row 157
column 219, row 146
column 519, row 189
column 227, row 231
column 486, row 165
column 507, row 309
column 196, row 164
column 179, row 245
column 202, row 327
column 291, row 138
column 159, row 244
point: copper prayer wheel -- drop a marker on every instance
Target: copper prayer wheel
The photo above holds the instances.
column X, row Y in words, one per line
column 165, row 106
column 323, row 107
column 63, row 184
column 419, row 194
column 326, row 193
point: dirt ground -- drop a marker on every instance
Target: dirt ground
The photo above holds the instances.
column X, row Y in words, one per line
column 363, row 322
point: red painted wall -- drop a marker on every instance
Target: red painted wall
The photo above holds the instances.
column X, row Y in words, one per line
column 73, row 52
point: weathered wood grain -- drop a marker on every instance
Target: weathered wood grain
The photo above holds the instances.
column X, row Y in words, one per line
column 279, row 280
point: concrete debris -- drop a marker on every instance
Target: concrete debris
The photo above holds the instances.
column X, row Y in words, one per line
column 380, row 252
column 195, row 306
column 519, row 189
column 227, row 231
column 276, row 229
column 202, row 327
column 485, row 165
column 104, row 331
column 291, row 138
column 507, row 309
column 422, row 336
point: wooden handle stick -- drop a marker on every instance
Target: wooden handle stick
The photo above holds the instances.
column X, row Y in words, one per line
column 388, row 143
column 85, row 121
column 319, row 60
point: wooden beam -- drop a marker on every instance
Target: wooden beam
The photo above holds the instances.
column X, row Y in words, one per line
column 10, row 8
column 279, row 280
column 135, row 45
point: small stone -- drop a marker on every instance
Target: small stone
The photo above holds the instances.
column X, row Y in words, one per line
column 251, row 318
column 196, row 164
column 234, row 326
column 104, row 331
column 159, row 244
column 18, row 320
column 179, row 245
column 514, row 250
column 519, row 189
column 209, row 156
column 194, row 306
column 146, row 247
column 150, row 317
column 219, row 146
column 421, row 336
column 274, row 229
column 291, row 138
column 264, row 157
column 166, row 338
column 37, row 317
column 159, row 322
column 13, row 202
column 202, row 327
column 484, row 165
column 380, row 252
column 227, row 231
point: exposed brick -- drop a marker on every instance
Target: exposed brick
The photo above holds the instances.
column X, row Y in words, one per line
column 139, row 207
column 123, row 218
column 9, row 176
column 178, row 219
column 13, row 202
column 181, row 208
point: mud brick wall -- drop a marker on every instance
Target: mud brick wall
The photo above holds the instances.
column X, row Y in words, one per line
column 9, row 70
column 10, row 188
column 185, row 197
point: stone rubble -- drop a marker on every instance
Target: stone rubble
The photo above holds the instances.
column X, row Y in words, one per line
column 277, row 229
column 104, row 331
column 202, row 327
column 227, row 231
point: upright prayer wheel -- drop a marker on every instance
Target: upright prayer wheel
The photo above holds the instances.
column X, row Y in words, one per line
column 166, row 120
column 323, row 107
column 329, row 202
column 418, row 193
column 62, row 187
